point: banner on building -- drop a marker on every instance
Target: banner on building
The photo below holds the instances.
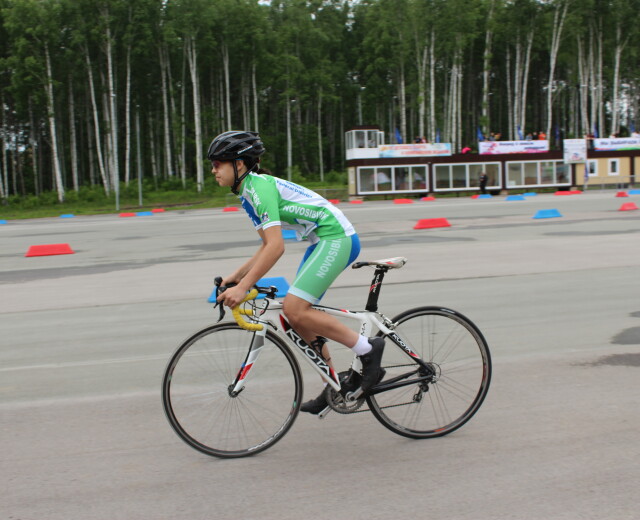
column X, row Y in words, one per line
column 614, row 144
column 498, row 147
column 414, row 150
column 575, row 150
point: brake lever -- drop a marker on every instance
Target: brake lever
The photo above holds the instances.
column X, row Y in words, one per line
column 220, row 289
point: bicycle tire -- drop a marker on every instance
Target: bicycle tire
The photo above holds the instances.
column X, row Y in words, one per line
column 458, row 352
column 198, row 404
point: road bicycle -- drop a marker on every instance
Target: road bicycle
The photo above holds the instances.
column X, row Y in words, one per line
column 234, row 389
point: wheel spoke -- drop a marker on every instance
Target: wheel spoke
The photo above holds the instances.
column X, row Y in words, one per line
column 462, row 364
column 197, row 400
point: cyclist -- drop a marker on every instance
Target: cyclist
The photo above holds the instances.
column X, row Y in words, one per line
column 274, row 204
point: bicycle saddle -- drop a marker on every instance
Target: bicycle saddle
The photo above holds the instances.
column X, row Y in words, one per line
column 390, row 263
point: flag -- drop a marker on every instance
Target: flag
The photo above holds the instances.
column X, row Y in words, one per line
column 437, row 135
column 480, row 134
column 520, row 136
column 557, row 134
column 632, row 127
column 398, row 137
column 595, row 131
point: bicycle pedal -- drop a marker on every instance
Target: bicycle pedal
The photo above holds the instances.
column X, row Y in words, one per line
column 324, row 412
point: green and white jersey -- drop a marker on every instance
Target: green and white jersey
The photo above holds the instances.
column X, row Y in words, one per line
column 271, row 201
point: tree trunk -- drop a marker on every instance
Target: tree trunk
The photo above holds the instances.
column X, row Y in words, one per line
column 33, row 143
column 583, row 90
column 192, row 56
column 289, row 144
column 403, row 104
column 227, row 86
column 152, row 151
column 615, row 112
column 73, row 145
column 254, row 89
column 127, row 121
column 486, row 68
column 422, row 55
column 182, row 156
column 113, row 117
column 556, row 36
column 432, row 88
column 52, row 127
column 319, row 126
column 164, row 60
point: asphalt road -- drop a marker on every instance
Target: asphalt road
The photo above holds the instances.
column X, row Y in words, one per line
column 84, row 339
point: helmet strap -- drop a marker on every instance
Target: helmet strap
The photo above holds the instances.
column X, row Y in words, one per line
column 237, row 180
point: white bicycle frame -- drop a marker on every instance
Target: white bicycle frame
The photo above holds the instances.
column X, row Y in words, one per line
column 270, row 314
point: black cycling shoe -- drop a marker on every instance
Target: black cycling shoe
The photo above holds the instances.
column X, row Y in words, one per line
column 371, row 371
column 315, row 406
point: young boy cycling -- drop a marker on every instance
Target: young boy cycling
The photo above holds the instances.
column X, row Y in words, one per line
column 274, row 204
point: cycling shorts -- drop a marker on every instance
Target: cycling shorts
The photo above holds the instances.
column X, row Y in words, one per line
column 321, row 265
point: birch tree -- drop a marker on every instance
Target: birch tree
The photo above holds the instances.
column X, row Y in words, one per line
column 624, row 17
column 37, row 25
column 560, row 9
column 486, row 65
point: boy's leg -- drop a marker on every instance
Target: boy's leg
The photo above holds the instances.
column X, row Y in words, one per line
column 310, row 323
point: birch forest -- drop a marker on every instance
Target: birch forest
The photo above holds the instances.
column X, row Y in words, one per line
column 97, row 93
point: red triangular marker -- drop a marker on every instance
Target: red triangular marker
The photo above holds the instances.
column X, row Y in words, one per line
column 50, row 249
column 428, row 223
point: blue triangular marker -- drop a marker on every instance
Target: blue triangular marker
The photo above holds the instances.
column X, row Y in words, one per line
column 279, row 282
column 3, row 221
column 515, row 197
column 547, row 213
column 144, row 213
column 485, row 196
column 529, row 194
column 634, row 192
column 289, row 234
column 67, row 215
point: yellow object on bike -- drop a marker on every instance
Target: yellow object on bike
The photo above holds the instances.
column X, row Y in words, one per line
column 238, row 312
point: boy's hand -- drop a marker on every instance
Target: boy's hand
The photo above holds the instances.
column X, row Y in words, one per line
column 232, row 296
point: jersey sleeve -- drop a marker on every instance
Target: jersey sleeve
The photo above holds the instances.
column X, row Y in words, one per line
column 265, row 200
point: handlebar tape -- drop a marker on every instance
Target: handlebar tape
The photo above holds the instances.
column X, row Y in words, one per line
column 238, row 312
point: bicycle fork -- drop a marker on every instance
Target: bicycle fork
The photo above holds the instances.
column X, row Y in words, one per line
column 257, row 342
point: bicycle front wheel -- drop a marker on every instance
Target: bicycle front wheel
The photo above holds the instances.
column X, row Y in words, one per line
column 207, row 415
column 459, row 356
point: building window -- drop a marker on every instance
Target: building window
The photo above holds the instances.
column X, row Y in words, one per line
column 514, row 175
column 536, row 173
column 384, row 179
column 614, row 166
column 592, row 168
column 465, row 176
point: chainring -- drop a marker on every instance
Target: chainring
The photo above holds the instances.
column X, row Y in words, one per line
column 349, row 381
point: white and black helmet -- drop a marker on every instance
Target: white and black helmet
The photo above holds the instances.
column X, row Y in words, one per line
column 235, row 145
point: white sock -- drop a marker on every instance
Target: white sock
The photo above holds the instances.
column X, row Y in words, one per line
column 362, row 346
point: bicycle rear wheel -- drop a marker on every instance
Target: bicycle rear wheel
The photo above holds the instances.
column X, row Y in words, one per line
column 197, row 399
column 458, row 354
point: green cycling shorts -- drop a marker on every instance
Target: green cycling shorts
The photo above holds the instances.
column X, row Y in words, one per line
column 321, row 265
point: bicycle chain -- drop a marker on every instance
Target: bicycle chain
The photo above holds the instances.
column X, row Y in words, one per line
column 338, row 403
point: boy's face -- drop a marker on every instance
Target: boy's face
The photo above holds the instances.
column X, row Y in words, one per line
column 223, row 171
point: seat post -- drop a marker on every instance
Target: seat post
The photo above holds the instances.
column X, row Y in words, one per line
column 374, row 290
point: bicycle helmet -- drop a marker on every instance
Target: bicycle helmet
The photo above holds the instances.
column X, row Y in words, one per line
column 235, row 145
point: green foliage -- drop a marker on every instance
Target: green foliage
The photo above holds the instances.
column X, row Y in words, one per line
column 330, row 59
column 92, row 200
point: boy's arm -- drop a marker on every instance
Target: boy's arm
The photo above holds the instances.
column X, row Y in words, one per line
column 265, row 258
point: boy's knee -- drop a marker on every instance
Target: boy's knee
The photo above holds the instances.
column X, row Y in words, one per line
column 294, row 313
